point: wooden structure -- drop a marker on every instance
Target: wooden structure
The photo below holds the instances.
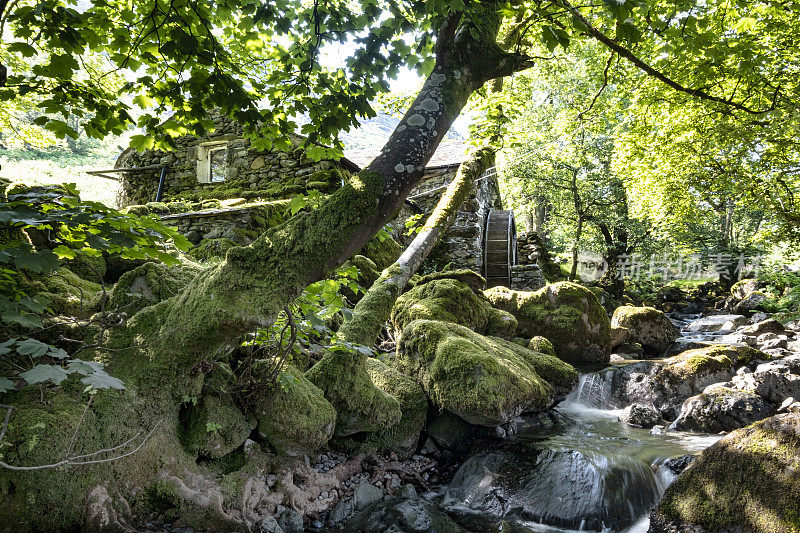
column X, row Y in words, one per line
column 500, row 247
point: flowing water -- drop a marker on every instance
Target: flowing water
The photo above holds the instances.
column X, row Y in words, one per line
column 581, row 470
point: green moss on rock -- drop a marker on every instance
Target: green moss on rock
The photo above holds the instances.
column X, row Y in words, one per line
column 383, row 250
column 709, row 360
column 749, row 481
column 541, row 345
column 212, row 248
column 469, row 277
column 446, row 300
column 484, row 380
column 567, row 314
column 501, row 324
column 148, row 284
column 68, row 293
column 650, row 327
column 401, row 438
column 214, row 427
column 297, row 419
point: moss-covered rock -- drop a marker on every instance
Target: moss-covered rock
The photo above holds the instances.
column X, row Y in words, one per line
column 501, row 324
column 474, row 280
column 214, row 427
column 567, row 314
column 212, row 248
column 89, row 267
column 484, row 380
column 368, row 271
column 447, row 300
column 447, row 430
column 148, row 284
column 542, row 345
column 401, row 438
column 650, row 327
column 748, row 481
column 296, row 419
column 383, row 250
column 608, row 302
column 67, row 293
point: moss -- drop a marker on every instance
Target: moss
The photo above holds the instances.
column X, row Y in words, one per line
column 359, row 404
column 296, row 419
column 701, row 361
column 748, row 480
column 446, row 300
column 541, row 345
column 214, row 427
column 469, row 277
column 383, row 250
column 650, row 327
column 484, row 380
column 212, row 248
column 148, row 284
column 367, row 270
column 567, row 314
column 67, row 293
column 89, row 267
column 501, row 324
column 402, row 437
column 373, row 309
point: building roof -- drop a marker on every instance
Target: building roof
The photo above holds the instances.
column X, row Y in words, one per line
column 450, row 153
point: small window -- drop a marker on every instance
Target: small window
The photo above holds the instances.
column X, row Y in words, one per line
column 211, row 158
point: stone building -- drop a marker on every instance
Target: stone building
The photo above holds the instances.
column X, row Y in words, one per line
column 220, row 191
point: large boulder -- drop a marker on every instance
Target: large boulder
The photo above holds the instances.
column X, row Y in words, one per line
column 754, row 301
column 402, row 437
column 444, row 299
column 650, row 327
column 214, row 427
column 296, row 418
column 748, row 481
column 720, row 408
column 485, row 380
column 774, row 381
column 566, row 314
column 410, row 515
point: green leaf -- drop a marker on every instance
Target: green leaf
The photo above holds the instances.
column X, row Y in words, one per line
column 32, row 348
column 101, row 380
column 84, row 368
column 6, row 385
column 42, row 373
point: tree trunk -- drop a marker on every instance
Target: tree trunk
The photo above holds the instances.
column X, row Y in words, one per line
column 574, row 272
column 373, row 310
column 254, row 283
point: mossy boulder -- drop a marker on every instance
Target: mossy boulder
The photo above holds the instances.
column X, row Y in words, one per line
column 649, row 327
column 401, row 438
column 295, row 419
column 383, row 250
column 501, row 324
column 542, row 345
column 720, row 408
column 209, row 249
column 608, row 302
column 67, row 293
column 566, row 314
column 475, row 281
column 149, row 284
column 748, row 481
column 485, row 380
column 91, row 267
column 446, row 300
column 214, row 427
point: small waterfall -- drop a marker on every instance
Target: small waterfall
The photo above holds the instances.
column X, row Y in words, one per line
column 590, row 392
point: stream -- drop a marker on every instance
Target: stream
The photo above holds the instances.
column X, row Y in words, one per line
column 578, row 469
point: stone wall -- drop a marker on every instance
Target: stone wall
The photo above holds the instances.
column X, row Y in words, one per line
column 526, row 249
column 527, row 278
column 249, row 173
column 462, row 245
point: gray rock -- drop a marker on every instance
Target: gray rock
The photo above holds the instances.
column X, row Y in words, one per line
column 413, row 515
column 774, row 381
column 716, row 323
column 270, row 525
column 769, row 325
column 366, row 494
column 408, row 491
column 291, row 521
column 340, row 512
column 751, row 302
column 641, row 415
column 721, row 409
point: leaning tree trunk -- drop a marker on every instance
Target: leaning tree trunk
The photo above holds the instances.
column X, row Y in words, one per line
column 373, row 310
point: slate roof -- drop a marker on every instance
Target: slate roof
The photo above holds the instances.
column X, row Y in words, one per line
column 449, row 153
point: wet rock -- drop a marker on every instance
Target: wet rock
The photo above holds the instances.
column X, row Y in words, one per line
column 721, row 409
column 774, row 381
column 447, row 429
column 270, row 525
column 340, row 512
column 366, row 494
column 650, row 327
column 678, row 464
column 641, row 415
column 748, row 481
column 291, row 521
column 708, row 324
column 395, row 514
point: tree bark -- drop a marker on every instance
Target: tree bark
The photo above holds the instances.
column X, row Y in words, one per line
column 373, row 310
column 578, row 231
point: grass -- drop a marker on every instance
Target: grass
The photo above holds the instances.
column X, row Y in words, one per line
column 58, row 165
